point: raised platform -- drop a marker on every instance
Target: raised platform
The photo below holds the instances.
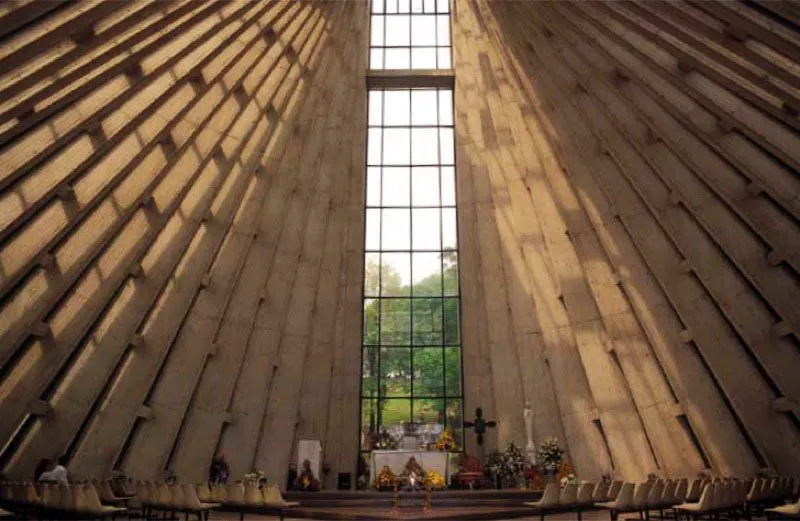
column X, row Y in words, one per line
column 445, row 505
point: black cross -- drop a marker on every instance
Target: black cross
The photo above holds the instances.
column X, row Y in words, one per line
column 480, row 425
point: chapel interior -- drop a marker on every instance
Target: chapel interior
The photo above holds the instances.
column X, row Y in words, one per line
column 279, row 232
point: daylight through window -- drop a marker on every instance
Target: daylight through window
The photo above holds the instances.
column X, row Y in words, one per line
column 410, row 34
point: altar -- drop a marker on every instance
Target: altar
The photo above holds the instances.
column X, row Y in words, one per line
column 397, row 459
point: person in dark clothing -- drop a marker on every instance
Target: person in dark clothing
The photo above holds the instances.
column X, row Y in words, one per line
column 219, row 471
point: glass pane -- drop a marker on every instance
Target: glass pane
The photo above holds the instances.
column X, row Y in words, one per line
column 445, row 107
column 425, row 228
column 395, row 274
column 430, row 415
column 424, row 143
column 369, row 372
column 450, row 273
column 447, row 146
column 376, row 31
column 371, row 275
column 373, row 186
column 451, row 326
column 416, row 6
column 449, row 231
column 376, row 58
column 398, row 30
column 425, row 186
column 443, row 6
column 393, row 415
column 403, row 6
column 426, row 269
column 396, row 187
column 377, row 6
column 452, row 371
column 442, row 30
column 395, row 321
column 427, row 321
column 444, row 58
column 455, row 421
column 371, row 321
column 448, row 186
column 396, row 230
column 375, row 107
column 369, row 422
column 374, row 148
column 398, row 107
column 423, row 107
column 395, row 372
column 423, row 58
column 373, row 229
column 397, row 59
column 429, row 371
column 391, row 6
column 396, row 146
column 430, row 6
column 423, row 30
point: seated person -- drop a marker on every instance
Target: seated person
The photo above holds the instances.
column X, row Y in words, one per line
column 306, row 480
column 43, row 466
column 57, row 474
column 219, row 470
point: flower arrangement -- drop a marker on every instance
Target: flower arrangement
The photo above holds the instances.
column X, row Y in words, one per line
column 569, row 479
column 434, row 480
column 550, row 455
column 513, row 462
column 535, row 480
column 254, row 476
column 565, row 470
column 384, row 441
column 508, row 465
column 493, row 463
column 446, row 442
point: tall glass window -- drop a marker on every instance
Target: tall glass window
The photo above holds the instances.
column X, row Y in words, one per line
column 411, row 373
column 410, row 34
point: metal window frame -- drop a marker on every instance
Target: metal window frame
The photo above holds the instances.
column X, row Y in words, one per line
column 409, row 79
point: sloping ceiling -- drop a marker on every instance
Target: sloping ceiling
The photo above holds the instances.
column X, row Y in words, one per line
column 629, row 181
column 181, row 229
column 181, row 226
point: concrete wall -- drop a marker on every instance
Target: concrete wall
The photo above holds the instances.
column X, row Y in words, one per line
column 181, row 232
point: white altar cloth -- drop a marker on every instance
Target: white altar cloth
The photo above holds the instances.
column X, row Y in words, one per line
column 397, row 459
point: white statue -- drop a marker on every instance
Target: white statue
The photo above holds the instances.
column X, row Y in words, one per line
column 530, row 447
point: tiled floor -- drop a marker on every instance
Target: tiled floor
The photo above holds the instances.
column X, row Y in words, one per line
column 587, row 516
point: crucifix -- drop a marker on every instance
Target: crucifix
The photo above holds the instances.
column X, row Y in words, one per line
column 480, row 425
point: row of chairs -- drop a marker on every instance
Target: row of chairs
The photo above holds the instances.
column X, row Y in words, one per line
column 51, row 500
column 701, row 497
column 764, row 492
column 238, row 496
column 574, row 498
column 172, row 498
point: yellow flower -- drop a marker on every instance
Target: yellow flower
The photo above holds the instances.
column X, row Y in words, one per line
column 434, row 480
column 445, row 441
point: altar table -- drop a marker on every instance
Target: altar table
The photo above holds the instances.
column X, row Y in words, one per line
column 397, row 459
